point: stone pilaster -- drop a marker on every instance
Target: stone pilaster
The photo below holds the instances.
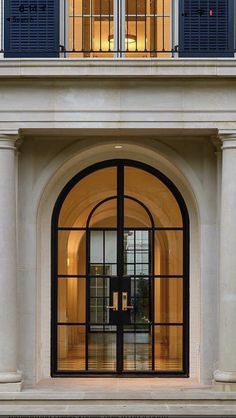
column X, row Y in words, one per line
column 226, row 372
column 10, row 377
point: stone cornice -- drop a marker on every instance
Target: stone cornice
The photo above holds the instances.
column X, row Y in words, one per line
column 118, row 68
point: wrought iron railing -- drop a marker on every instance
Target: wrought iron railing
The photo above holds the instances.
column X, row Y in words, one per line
column 117, row 28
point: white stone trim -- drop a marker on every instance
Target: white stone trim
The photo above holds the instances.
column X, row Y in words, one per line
column 118, row 67
column 48, row 191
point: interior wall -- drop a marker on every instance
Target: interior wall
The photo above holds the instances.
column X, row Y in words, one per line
column 45, row 167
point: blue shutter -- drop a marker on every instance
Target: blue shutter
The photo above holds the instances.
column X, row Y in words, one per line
column 31, row 28
column 206, row 28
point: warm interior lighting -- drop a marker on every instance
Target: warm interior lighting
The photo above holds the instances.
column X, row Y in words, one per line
column 118, row 146
column 129, row 39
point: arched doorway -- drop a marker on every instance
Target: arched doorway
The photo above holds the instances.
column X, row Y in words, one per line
column 120, row 273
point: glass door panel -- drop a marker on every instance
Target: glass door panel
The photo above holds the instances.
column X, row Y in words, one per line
column 136, row 286
column 71, row 347
column 101, row 320
column 137, row 349
column 102, row 350
column 91, row 28
column 148, row 28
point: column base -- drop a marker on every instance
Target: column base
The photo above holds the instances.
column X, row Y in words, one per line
column 11, row 381
column 224, row 377
column 11, row 387
column 224, row 381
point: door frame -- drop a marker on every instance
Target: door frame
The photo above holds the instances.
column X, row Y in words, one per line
column 120, row 222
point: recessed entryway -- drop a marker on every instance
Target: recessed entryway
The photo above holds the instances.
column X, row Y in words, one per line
column 120, row 266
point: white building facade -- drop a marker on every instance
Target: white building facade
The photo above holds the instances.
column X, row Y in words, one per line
column 117, row 209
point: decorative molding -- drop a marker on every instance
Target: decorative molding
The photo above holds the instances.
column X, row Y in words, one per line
column 118, row 67
column 10, row 139
column 217, row 143
column 227, row 137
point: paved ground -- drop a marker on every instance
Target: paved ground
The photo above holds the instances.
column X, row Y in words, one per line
column 118, row 396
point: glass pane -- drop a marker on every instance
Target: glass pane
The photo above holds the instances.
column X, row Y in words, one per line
column 136, row 252
column 155, row 195
column 105, row 216
column 148, row 28
column 168, row 348
column 110, row 247
column 168, row 253
column 129, row 249
column 99, row 287
column 102, row 350
column 135, row 215
column 71, row 252
column 72, row 300
column 71, row 343
column 140, row 313
column 91, row 28
column 137, row 349
column 168, row 300
column 85, row 195
column 96, row 247
column 98, row 310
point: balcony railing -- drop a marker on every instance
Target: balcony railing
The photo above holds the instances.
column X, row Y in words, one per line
column 117, row 28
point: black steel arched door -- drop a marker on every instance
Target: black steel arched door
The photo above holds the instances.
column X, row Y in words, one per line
column 120, row 274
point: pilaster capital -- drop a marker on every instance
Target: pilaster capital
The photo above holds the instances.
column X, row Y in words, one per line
column 227, row 138
column 217, row 144
column 9, row 139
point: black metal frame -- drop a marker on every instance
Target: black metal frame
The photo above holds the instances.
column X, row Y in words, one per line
column 121, row 164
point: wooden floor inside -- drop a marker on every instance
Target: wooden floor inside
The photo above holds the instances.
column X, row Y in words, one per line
column 102, row 355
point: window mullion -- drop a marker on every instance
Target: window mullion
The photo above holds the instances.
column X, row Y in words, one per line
column 122, row 27
column 119, row 27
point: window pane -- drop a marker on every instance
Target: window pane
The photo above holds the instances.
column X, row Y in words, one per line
column 155, row 195
column 96, row 247
column 72, row 300
column 105, row 216
column 137, row 349
column 168, row 300
column 91, row 28
column 148, row 28
column 168, row 253
column 71, row 252
column 168, row 348
column 84, row 196
column 102, row 350
column 71, row 347
column 110, row 247
column 135, row 215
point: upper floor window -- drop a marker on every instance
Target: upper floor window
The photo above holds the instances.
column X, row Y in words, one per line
column 118, row 28
column 130, row 28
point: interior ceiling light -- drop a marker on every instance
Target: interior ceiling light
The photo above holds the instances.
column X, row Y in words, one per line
column 129, row 39
column 118, row 146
